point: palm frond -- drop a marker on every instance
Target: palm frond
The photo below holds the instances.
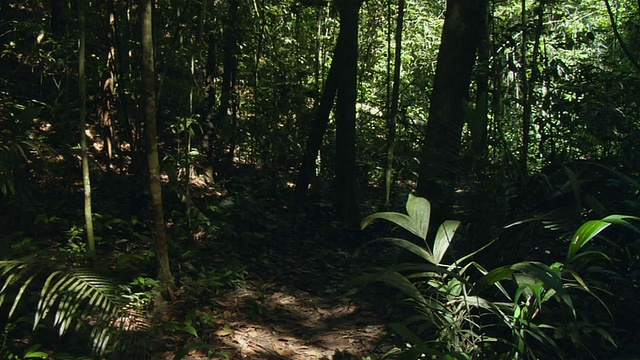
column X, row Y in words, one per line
column 74, row 299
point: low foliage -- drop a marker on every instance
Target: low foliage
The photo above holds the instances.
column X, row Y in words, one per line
column 460, row 310
column 67, row 299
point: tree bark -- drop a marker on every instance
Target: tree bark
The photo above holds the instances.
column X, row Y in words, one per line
column 224, row 121
column 395, row 99
column 82, row 89
column 479, row 123
column 149, row 95
column 347, row 206
column 318, row 128
column 440, row 159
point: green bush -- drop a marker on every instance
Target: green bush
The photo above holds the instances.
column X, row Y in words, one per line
column 460, row 310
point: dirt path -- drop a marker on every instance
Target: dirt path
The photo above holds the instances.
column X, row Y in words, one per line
column 296, row 309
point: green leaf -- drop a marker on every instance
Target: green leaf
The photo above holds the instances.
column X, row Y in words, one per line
column 494, row 276
column 191, row 330
column 409, row 246
column 584, row 234
column 416, row 222
column 419, row 210
column 443, row 239
column 36, row 355
column 402, row 220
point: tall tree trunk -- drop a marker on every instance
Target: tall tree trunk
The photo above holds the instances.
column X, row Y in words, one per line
column 318, row 128
column 224, row 119
column 526, row 106
column 82, row 88
column 440, row 159
column 210, row 105
column 616, row 33
column 149, row 95
column 347, row 206
column 395, row 99
column 479, row 123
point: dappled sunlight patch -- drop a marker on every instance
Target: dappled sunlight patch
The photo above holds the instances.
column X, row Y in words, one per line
column 276, row 321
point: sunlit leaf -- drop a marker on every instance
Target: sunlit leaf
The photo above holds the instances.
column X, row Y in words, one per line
column 443, row 239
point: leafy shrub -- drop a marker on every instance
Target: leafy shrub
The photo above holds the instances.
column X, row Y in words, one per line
column 461, row 310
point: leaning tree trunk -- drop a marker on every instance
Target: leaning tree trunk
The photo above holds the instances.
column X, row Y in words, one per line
column 318, row 128
column 347, row 207
column 440, row 159
column 149, row 95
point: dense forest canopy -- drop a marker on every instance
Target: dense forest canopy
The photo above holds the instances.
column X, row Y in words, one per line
column 160, row 153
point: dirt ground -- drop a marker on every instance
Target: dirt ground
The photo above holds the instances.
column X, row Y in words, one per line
column 293, row 309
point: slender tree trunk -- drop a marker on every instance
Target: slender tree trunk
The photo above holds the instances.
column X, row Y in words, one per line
column 318, row 128
column 347, row 206
column 149, row 94
column 526, row 106
column 440, row 159
column 209, row 127
column 616, row 33
column 86, row 175
column 395, row 99
column 224, row 120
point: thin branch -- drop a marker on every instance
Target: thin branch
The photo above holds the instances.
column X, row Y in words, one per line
column 619, row 38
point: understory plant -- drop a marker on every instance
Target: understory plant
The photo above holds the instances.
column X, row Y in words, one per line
column 460, row 310
column 39, row 293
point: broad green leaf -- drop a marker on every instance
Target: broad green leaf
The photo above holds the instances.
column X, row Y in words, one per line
column 584, row 234
column 402, row 220
column 419, row 210
column 409, row 246
column 622, row 220
column 443, row 239
column 494, row 276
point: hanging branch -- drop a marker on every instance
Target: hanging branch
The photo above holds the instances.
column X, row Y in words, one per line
column 619, row 37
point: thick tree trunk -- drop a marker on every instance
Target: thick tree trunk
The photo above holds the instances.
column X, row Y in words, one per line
column 347, row 206
column 440, row 160
column 149, row 95
column 478, row 125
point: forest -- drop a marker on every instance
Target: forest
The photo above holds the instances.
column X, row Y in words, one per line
column 319, row 179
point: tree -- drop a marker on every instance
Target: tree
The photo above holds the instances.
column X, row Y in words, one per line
column 395, row 99
column 220, row 122
column 440, row 162
column 86, row 175
column 341, row 84
column 347, row 206
column 155, row 190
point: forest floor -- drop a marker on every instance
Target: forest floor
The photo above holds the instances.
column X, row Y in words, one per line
column 294, row 302
column 303, row 315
